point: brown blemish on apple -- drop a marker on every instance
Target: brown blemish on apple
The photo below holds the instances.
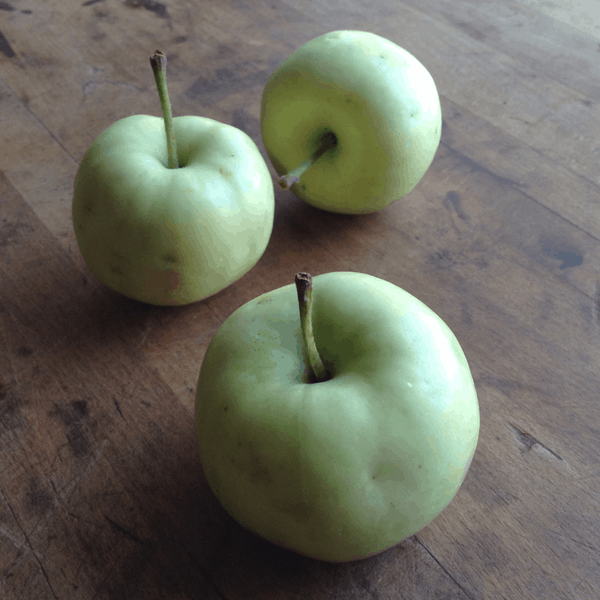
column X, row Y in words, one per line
column 116, row 270
column 298, row 509
column 265, row 298
column 170, row 258
column 249, row 462
column 115, row 261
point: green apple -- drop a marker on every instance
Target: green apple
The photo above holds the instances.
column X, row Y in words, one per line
column 351, row 121
column 340, row 429
column 172, row 218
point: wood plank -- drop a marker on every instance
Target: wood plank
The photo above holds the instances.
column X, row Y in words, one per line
column 560, row 194
column 558, row 39
column 45, row 180
column 582, row 16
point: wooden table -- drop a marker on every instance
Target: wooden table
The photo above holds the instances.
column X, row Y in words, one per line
column 102, row 494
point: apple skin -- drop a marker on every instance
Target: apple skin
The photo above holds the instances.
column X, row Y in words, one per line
column 172, row 236
column 381, row 104
column 342, row 469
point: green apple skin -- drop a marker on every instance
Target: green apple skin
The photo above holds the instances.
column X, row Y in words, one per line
column 381, row 104
column 172, row 236
column 342, row 469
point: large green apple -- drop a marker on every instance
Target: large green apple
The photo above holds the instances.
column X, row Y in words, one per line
column 348, row 464
column 360, row 113
column 167, row 235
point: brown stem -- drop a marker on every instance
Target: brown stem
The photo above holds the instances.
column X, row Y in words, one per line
column 159, row 66
column 305, row 291
column 289, row 179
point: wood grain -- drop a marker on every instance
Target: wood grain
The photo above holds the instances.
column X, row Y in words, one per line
column 102, row 494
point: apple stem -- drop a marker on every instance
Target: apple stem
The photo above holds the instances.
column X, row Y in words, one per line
column 327, row 141
column 305, row 291
column 159, row 66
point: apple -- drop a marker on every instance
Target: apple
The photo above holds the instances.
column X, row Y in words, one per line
column 168, row 210
column 338, row 428
column 351, row 121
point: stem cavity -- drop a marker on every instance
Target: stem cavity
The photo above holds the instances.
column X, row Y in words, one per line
column 327, row 141
column 317, row 371
column 159, row 66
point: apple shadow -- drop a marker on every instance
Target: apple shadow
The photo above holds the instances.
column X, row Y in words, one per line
column 305, row 234
column 185, row 545
column 320, row 222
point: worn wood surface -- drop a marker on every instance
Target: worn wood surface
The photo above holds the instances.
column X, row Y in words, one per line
column 101, row 492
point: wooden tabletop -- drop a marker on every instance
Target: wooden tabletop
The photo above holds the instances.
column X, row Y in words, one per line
column 102, row 495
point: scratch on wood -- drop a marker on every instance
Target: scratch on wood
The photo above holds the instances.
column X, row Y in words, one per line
column 529, row 441
column 28, row 544
column 74, row 483
column 120, row 529
column 204, row 573
column 441, row 566
column 4, row 531
column 453, row 198
column 145, row 334
column 5, row 47
column 476, row 167
column 118, row 407
column 581, row 543
column 597, row 302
